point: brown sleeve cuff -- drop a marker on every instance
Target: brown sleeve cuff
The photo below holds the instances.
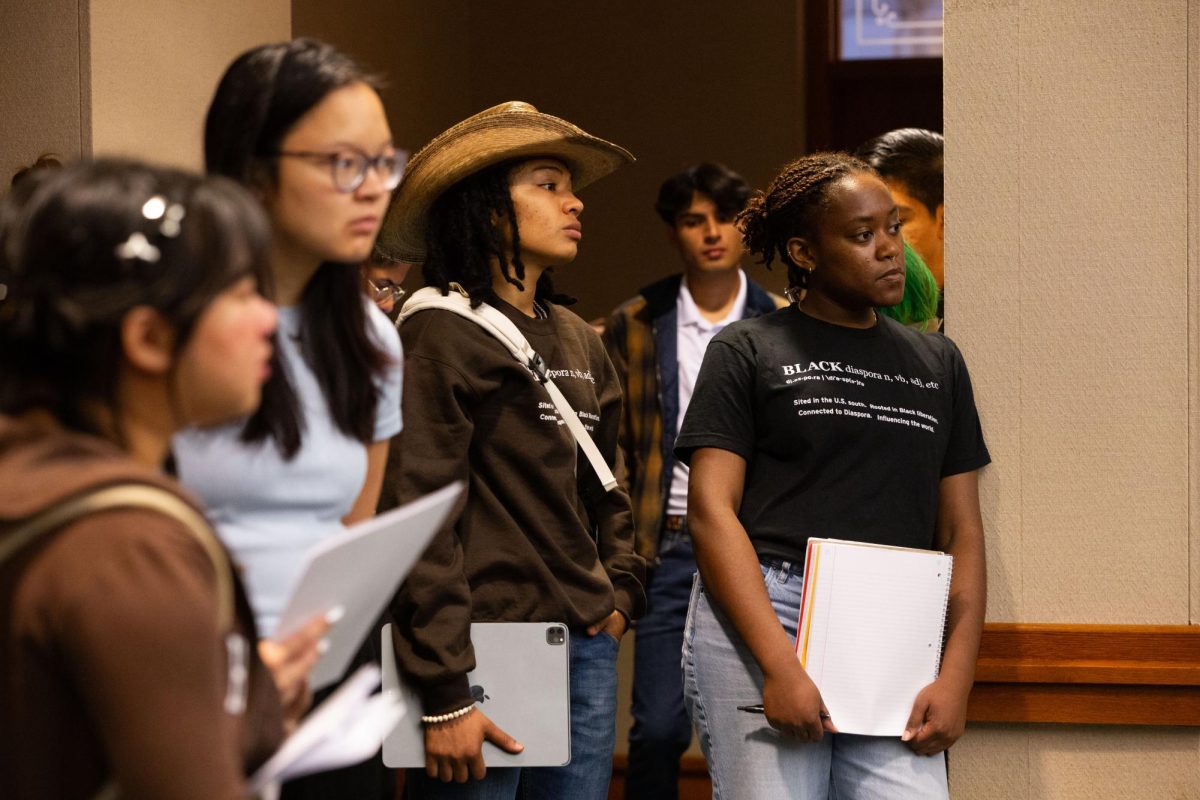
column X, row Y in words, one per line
column 631, row 602
column 450, row 695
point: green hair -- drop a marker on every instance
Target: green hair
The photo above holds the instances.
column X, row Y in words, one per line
column 920, row 302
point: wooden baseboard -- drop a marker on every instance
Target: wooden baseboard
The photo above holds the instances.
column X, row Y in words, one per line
column 694, row 783
column 1088, row 674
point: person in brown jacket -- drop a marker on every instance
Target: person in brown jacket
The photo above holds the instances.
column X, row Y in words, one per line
column 490, row 207
column 126, row 641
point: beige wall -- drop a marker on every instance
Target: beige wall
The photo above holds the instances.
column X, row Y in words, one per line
column 1071, row 244
column 155, row 64
column 43, row 82
column 119, row 77
column 1068, row 253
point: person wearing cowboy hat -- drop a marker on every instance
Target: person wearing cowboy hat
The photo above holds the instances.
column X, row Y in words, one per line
column 488, row 209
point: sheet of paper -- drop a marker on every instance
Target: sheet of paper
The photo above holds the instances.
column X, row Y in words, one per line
column 346, row 729
column 871, row 634
column 359, row 573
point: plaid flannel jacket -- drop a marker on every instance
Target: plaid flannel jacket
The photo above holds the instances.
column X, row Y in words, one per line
column 641, row 339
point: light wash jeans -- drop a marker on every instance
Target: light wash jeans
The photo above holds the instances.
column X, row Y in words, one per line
column 593, row 733
column 750, row 760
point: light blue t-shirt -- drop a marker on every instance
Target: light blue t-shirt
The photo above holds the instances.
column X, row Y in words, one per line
column 269, row 511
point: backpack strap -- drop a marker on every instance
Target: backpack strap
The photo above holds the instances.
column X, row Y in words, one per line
column 503, row 329
column 133, row 495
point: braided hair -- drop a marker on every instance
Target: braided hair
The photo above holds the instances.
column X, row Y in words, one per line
column 466, row 229
column 790, row 206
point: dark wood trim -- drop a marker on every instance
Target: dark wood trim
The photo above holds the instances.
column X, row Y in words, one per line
column 1088, row 674
column 694, row 783
column 818, row 52
column 847, row 102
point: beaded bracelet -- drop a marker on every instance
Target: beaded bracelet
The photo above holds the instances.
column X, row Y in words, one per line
column 434, row 719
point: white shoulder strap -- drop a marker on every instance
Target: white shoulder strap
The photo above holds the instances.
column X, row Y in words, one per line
column 503, row 329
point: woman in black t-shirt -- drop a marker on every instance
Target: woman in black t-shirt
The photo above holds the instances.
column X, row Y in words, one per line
column 824, row 419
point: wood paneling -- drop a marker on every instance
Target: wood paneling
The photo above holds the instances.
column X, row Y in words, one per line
column 1089, row 674
column 849, row 102
column 694, row 783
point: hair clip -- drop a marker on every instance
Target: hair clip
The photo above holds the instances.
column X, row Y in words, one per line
column 171, row 215
column 139, row 247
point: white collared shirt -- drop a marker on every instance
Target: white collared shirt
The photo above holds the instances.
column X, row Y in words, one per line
column 692, row 334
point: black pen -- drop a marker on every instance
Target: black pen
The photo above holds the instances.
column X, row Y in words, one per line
column 758, row 709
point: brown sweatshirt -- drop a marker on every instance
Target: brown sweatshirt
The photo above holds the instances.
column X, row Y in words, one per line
column 538, row 539
column 112, row 662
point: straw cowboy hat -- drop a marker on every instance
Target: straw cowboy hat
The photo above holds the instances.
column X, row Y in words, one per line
column 507, row 131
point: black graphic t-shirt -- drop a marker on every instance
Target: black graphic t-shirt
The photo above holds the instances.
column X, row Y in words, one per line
column 846, row 432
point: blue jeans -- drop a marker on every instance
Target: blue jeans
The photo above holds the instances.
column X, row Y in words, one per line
column 661, row 729
column 593, row 732
column 749, row 759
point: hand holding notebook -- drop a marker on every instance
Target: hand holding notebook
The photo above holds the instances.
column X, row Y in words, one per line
column 870, row 633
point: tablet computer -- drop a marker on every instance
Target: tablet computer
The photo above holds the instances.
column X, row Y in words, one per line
column 359, row 572
column 521, row 681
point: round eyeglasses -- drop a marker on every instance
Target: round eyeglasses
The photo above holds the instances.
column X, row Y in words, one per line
column 384, row 290
column 349, row 166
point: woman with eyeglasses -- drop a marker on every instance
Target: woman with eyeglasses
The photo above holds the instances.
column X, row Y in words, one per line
column 303, row 127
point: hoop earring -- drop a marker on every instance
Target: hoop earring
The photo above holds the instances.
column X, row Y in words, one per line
column 796, row 294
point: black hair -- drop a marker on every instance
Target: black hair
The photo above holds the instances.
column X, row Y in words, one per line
column 463, row 233
column 912, row 157
column 790, row 207
column 68, row 239
column 727, row 189
column 44, row 161
column 263, row 93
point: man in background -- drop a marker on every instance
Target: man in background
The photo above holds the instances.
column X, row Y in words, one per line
column 657, row 341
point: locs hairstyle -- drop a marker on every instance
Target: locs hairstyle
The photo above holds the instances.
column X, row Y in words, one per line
column 727, row 189
column 85, row 247
column 791, row 205
column 465, row 230
column 262, row 95
column 913, row 157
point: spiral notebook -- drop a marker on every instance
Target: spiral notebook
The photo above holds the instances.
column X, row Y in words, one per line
column 872, row 621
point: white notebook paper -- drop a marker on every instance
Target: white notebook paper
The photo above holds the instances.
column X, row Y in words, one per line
column 872, row 619
column 346, row 729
